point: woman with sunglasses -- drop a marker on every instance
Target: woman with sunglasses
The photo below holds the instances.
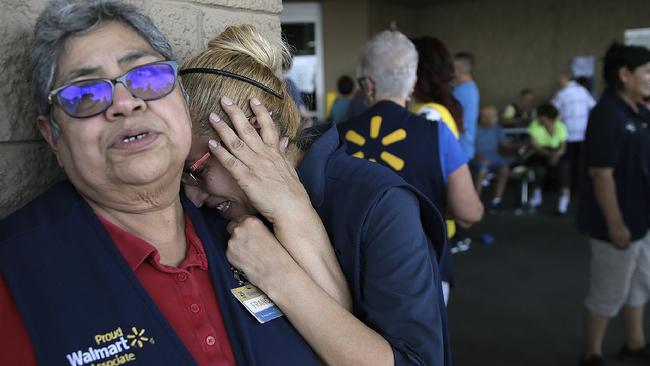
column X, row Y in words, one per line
column 373, row 218
column 113, row 265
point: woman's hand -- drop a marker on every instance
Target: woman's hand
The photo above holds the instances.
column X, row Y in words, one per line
column 260, row 167
column 258, row 163
column 253, row 249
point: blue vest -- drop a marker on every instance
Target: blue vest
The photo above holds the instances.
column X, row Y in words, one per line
column 403, row 141
column 81, row 303
column 343, row 190
column 390, row 135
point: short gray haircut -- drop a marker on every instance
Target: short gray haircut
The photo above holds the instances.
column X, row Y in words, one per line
column 62, row 19
column 391, row 61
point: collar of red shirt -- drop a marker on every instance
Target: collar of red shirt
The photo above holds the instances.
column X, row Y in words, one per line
column 136, row 250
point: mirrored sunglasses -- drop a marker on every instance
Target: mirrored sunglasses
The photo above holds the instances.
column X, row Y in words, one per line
column 87, row 98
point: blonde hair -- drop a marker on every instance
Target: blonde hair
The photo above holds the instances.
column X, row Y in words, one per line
column 241, row 50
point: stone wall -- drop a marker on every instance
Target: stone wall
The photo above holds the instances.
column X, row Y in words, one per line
column 27, row 167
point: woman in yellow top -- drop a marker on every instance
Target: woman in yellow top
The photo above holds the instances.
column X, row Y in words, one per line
column 433, row 92
column 548, row 137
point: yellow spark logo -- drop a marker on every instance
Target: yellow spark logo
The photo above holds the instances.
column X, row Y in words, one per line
column 138, row 337
column 393, row 137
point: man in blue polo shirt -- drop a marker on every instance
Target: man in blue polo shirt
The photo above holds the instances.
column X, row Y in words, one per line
column 614, row 205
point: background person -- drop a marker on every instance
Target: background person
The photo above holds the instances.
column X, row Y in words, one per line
column 345, row 88
column 615, row 204
column 466, row 92
column 574, row 103
column 424, row 153
column 521, row 112
column 489, row 138
column 373, row 218
column 433, row 90
column 548, row 136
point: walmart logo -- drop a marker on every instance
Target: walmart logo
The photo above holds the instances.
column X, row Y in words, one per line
column 138, row 337
column 375, row 126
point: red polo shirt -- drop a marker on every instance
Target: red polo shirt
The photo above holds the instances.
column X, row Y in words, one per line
column 183, row 294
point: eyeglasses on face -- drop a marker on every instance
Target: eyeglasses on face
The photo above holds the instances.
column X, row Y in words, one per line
column 192, row 175
column 87, row 98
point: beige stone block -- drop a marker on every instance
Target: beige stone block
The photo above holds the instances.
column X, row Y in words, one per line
column 216, row 20
column 17, row 20
column 26, row 170
column 271, row 6
column 179, row 22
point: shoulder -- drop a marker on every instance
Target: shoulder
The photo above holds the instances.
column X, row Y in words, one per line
column 534, row 126
column 428, row 111
column 606, row 111
column 49, row 208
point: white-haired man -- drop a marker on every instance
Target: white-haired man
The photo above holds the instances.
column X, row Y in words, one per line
column 425, row 154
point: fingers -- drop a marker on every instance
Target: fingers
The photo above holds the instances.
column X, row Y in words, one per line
column 232, row 164
column 267, row 128
column 246, row 132
column 246, row 222
column 237, row 149
column 284, row 142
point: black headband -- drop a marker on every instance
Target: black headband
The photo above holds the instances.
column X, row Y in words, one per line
column 203, row 70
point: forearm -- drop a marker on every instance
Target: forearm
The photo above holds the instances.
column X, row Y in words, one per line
column 605, row 192
column 464, row 204
column 337, row 336
column 313, row 252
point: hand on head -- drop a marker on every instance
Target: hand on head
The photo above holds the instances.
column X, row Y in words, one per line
column 258, row 162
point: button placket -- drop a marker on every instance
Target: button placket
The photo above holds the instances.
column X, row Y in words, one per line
column 210, row 340
column 181, row 277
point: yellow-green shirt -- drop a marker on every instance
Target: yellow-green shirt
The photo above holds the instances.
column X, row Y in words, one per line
column 542, row 138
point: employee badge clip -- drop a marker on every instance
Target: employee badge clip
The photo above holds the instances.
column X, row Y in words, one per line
column 254, row 300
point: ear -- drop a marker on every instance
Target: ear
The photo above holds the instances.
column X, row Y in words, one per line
column 624, row 75
column 44, row 127
column 369, row 89
column 412, row 90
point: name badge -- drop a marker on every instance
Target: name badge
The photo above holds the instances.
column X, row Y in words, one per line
column 257, row 303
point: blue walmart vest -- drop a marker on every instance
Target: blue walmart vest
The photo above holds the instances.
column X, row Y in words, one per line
column 407, row 143
column 82, row 304
column 337, row 183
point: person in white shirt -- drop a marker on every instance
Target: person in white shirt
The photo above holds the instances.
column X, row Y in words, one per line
column 573, row 102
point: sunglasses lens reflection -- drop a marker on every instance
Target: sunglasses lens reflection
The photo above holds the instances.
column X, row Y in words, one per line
column 90, row 97
column 151, row 81
column 86, row 98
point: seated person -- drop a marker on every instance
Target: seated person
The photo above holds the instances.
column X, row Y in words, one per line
column 113, row 265
column 521, row 112
column 548, row 137
column 386, row 236
column 489, row 137
column 345, row 87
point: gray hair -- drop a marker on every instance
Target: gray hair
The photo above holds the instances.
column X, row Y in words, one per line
column 391, row 60
column 62, row 19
